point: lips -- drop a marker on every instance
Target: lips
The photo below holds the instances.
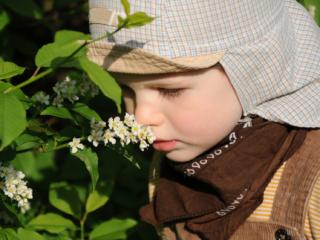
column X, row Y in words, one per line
column 164, row 145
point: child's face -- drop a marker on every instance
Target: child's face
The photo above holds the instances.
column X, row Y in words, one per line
column 188, row 112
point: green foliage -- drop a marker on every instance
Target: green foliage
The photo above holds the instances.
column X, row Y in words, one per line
column 4, row 19
column 99, row 196
column 8, row 234
column 59, row 112
column 28, row 8
column 113, row 229
column 126, row 6
column 52, row 223
column 136, row 19
column 25, row 234
column 9, row 70
column 90, row 159
column 86, row 112
column 65, row 197
column 94, row 193
column 313, row 6
column 103, row 80
column 12, row 119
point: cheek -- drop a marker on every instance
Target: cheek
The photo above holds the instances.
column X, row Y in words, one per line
column 202, row 121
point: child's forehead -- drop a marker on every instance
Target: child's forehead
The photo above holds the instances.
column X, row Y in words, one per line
column 125, row 78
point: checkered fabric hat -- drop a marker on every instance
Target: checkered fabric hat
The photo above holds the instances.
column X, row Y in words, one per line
column 270, row 49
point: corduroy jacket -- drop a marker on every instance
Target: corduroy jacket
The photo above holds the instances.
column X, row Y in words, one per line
column 289, row 213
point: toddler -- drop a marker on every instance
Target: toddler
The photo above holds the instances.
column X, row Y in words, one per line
column 231, row 90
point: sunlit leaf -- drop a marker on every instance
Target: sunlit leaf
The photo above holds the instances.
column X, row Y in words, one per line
column 12, row 119
column 138, row 19
column 17, row 93
column 9, row 70
column 99, row 196
column 113, row 229
column 66, row 36
column 103, row 80
column 26, row 234
column 65, row 198
column 86, row 112
column 56, row 54
column 8, row 234
column 126, row 6
column 313, row 6
column 60, row 112
column 51, row 222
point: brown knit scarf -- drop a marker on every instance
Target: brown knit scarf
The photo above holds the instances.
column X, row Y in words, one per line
column 214, row 193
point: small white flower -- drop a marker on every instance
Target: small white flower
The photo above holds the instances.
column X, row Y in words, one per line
column 97, row 125
column 135, row 129
column 14, row 187
column 143, row 145
column 95, row 137
column 42, row 98
column 129, row 120
column 76, row 145
column 109, row 137
column 113, row 123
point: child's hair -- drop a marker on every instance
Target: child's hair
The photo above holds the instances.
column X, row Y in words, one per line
column 270, row 49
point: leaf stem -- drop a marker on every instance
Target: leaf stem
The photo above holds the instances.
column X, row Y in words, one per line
column 82, row 222
column 35, row 76
column 30, row 80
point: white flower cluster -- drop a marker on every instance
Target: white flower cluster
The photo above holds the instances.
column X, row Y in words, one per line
column 71, row 90
column 128, row 131
column 42, row 97
column 13, row 186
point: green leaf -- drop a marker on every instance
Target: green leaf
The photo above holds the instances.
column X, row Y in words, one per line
column 8, row 234
column 27, row 141
column 66, row 36
column 37, row 166
column 103, row 80
column 18, row 94
column 4, row 19
column 65, row 198
column 55, row 54
column 25, row 234
column 86, row 112
column 12, row 119
column 99, row 196
column 9, row 70
column 60, row 112
column 121, row 21
column 313, row 6
column 113, row 229
column 138, row 19
column 27, row 8
column 12, row 209
column 90, row 159
column 126, row 6
column 51, row 222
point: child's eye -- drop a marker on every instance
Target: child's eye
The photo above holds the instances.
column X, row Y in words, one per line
column 170, row 92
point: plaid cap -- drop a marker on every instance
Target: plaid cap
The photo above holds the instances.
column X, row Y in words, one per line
column 270, row 49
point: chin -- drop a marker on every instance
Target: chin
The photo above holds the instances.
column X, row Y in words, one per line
column 177, row 156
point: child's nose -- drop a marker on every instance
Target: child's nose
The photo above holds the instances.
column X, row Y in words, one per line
column 148, row 114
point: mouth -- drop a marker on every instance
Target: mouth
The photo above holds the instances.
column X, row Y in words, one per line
column 164, row 145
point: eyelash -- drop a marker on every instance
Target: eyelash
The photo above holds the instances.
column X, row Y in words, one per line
column 170, row 92
column 165, row 92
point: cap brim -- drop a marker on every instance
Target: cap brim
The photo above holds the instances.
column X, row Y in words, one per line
column 119, row 58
